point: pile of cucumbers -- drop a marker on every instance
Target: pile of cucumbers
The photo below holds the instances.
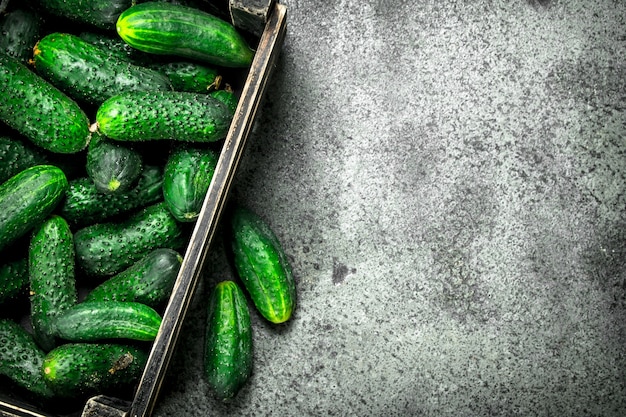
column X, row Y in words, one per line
column 112, row 118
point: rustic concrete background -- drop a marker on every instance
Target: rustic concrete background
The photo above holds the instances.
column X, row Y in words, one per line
column 448, row 181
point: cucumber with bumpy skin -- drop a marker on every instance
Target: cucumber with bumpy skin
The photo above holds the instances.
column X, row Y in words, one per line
column 28, row 198
column 81, row 369
column 13, row 278
column 149, row 281
column 105, row 249
column 17, row 155
column 52, row 278
column 91, row 321
column 40, row 111
column 186, row 179
column 228, row 340
column 163, row 115
column 170, row 29
column 21, row 359
column 94, row 13
column 20, row 29
column 113, row 166
column 262, row 265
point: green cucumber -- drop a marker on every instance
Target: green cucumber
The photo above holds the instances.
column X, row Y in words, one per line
column 262, row 265
column 186, row 179
column 20, row 29
column 90, row 321
column 149, row 281
column 84, row 205
column 13, row 278
column 113, row 166
column 82, row 369
column 51, row 267
column 40, row 111
column 116, row 47
column 88, row 73
column 17, row 155
column 105, row 249
column 100, row 14
column 28, row 198
column 163, row 115
column 228, row 97
column 189, row 75
column 170, row 29
column 228, row 340
column 21, row 359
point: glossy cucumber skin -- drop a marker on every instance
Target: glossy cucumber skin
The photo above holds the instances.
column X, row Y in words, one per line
column 113, row 166
column 88, row 73
column 84, row 204
column 149, row 281
column 262, row 265
column 52, row 277
column 28, row 198
column 17, row 155
column 97, row 13
column 90, row 321
column 20, row 29
column 13, row 278
column 187, row 176
column 170, row 29
column 189, row 76
column 228, row 340
column 80, row 369
column 38, row 110
column 227, row 97
column 21, row 359
column 105, row 249
column 173, row 115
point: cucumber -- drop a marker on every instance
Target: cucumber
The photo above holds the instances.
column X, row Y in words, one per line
column 91, row 321
column 82, row 369
column 40, row 111
column 52, row 279
column 88, row 73
column 262, row 265
column 178, row 30
column 105, row 249
column 149, row 281
column 116, row 47
column 84, row 205
column 114, row 167
column 13, row 278
column 20, row 29
column 189, row 76
column 100, row 14
column 226, row 96
column 228, row 340
column 17, row 155
column 162, row 115
column 28, row 198
column 21, row 359
column 186, row 179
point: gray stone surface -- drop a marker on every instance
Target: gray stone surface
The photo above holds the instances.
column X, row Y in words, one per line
column 448, row 179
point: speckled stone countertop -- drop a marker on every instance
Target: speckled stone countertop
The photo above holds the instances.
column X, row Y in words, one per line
column 448, row 180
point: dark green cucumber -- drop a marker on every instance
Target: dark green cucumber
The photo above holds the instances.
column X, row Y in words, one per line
column 116, row 47
column 149, row 281
column 84, row 205
column 113, row 166
column 91, row 321
column 262, row 265
column 17, row 155
column 163, row 115
column 100, row 14
column 178, row 30
column 28, row 198
column 13, row 278
column 226, row 96
column 189, row 75
column 20, row 29
column 83, row 369
column 228, row 340
column 38, row 110
column 21, row 359
column 51, row 269
column 88, row 73
column 186, row 179
column 105, row 249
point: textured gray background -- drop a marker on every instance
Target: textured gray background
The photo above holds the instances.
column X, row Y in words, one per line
column 448, row 179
